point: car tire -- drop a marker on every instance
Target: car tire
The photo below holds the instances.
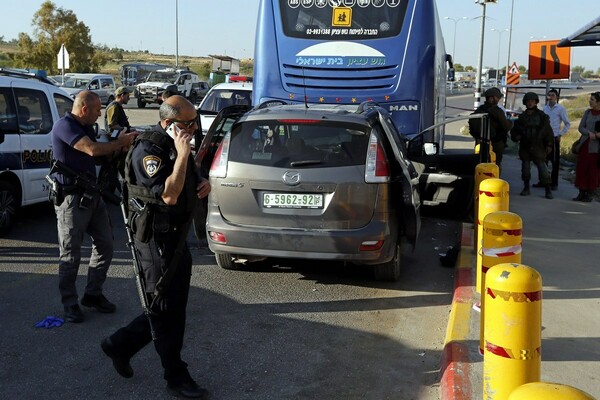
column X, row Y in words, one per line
column 390, row 271
column 225, row 261
column 140, row 104
column 8, row 206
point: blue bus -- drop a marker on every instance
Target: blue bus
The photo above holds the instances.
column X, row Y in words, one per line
column 349, row 51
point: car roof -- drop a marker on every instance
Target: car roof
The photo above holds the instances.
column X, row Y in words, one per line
column 6, row 81
column 322, row 112
column 87, row 75
column 233, row 86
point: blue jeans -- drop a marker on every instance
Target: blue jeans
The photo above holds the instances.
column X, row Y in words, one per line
column 72, row 223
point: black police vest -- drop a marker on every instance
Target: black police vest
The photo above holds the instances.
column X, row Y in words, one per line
column 144, row 194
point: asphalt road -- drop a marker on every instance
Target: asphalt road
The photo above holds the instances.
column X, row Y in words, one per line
column 275, row 330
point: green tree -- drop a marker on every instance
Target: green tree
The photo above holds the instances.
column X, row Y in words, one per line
column 54, row 26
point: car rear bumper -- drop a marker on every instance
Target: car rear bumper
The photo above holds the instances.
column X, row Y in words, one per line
column 343, row 245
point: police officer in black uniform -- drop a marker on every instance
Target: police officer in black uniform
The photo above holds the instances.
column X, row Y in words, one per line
column 161, row 176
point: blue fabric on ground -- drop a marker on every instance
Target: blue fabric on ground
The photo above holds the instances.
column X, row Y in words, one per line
column 50, row 322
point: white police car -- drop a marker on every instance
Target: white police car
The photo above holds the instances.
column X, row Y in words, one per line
column 29, row 106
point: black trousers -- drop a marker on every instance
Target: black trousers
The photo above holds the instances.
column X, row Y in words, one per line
column 168, row 325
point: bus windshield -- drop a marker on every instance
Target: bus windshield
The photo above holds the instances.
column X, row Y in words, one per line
column 362, row 19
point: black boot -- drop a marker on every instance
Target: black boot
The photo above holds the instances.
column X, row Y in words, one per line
column 549, row 192
column 579, row 196
column 525, row 191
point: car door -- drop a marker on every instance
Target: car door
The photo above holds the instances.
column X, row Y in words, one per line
column 405, row 183
column 35, row 143
column 446, row 181
column 206, row 153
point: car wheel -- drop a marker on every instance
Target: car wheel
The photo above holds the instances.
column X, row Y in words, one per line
column 8, row 206
column 390, row 271
column 225, row 261
column 140, row 104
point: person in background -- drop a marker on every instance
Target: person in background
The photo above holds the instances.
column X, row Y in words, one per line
column 533, row 132
column 80, row 212
column 161, row 175
column 115, row 114
column 499, row 124
column 557, row 114
column 587, row 170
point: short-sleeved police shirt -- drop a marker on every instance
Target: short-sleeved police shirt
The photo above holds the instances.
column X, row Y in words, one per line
column 65, row 133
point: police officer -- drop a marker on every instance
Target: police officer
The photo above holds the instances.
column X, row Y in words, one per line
column 499, row 124
column 81, row 211
column 161, row 175
column 533, row 132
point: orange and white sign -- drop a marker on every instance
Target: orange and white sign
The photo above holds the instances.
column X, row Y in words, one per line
column 513, row 77
column 547, row 61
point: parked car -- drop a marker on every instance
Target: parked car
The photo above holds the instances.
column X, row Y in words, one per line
column 182, row 81
column 29, row 106
column 220, row 96
column 102, row 84
column 327, row 182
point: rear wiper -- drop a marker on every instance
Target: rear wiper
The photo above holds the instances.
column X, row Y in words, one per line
column 304, row 162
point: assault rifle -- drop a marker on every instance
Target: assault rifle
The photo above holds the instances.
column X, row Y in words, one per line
column 140, row 282
column 84, row 182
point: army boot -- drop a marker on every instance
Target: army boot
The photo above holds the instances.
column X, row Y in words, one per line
column 580, row 196
column 549, row 192
column 525, row 191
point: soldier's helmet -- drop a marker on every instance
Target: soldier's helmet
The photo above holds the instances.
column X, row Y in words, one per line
column 530, row 96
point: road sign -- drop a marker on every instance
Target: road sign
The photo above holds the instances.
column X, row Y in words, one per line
column 513, row 77
column 547, row 61
column 63, row 58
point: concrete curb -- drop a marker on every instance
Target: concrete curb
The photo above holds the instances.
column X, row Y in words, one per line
column 455, row 382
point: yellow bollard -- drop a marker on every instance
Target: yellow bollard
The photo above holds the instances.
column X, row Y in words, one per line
column 493, row 196
column 501, row 243
column 482, row 171
column 548, row 391
column 513, row 329
column 492, row 153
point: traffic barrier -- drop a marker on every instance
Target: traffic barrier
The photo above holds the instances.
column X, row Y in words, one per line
column 482, row 171
column 493, row 196
column 501, row 243
column 513, row 329
column 548, row 391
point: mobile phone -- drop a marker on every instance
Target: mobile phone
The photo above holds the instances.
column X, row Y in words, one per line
column 115, row 133
column 171, row 129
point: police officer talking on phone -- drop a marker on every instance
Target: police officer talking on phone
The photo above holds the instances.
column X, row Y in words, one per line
column 162, row 180
column 80, row 211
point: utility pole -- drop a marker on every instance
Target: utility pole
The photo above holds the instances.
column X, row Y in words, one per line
column 480, row 62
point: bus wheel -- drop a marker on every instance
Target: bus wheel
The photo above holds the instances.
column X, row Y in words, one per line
column 390, row 271
column 8, row 206
column 225, row 261
column 140, row 104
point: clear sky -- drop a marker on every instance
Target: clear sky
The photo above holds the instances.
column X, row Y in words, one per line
column 226, row 27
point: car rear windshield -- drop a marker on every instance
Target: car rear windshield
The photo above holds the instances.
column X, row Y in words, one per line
column 299, row 143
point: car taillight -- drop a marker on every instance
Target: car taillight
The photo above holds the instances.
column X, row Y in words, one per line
column 218, row 169
column 377, row 168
